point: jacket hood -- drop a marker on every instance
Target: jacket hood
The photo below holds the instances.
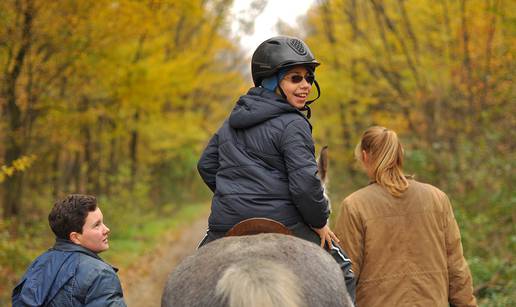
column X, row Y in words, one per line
column 55, row 267
column 257, row 106
column 46, row 268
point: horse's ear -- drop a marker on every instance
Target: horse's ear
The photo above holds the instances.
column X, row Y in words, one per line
column 322, row 164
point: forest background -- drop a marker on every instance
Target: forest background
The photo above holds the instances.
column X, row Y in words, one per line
column 118, row 99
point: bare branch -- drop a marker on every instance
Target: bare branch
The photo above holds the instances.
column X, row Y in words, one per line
column 380, row 10
column 491, row 10
column 408, row 27
column 329, row 30
column 466, row 56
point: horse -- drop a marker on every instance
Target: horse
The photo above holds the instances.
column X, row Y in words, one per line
column 254, row 267
column 267, row 269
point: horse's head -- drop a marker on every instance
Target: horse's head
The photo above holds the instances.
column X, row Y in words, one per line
column 322, row 166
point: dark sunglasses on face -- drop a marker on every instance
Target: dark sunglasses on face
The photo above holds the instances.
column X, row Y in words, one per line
column 298, row 78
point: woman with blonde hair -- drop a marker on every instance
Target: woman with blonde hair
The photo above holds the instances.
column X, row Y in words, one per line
column 400, row 234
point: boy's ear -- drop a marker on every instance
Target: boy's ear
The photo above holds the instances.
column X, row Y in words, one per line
column 75, row 237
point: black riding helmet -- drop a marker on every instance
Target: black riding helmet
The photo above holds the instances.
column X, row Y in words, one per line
column 279, row 52
column 282, row 52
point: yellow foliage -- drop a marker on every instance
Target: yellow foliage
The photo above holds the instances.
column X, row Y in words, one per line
column 429, row 70
column 18, row 165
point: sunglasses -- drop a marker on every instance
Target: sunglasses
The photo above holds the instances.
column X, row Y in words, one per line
column 298, row 78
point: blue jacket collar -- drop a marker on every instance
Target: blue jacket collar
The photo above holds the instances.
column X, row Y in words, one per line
column 68, row 246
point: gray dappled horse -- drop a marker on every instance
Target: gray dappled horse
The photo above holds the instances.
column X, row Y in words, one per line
column 268, row 269
column 259, row 270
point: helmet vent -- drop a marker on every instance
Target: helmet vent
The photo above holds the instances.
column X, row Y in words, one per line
column 297, row 46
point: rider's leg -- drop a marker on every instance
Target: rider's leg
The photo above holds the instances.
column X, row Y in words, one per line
column 302, row 230
column 211, row 236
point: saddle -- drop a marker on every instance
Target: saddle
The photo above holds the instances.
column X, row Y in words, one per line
column 258, row 225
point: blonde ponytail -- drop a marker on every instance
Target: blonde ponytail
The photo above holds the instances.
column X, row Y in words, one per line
column 385, row 158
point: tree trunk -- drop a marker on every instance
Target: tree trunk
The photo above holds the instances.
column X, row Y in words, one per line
column 55, row 175
column 113, row 163
column 408, row 28
column 13, row 185
column 76, row 173
column 329, row 28
column 466, row 61
column 97, row 158
column 133, row 147
column 382, row 15
column 492, row 11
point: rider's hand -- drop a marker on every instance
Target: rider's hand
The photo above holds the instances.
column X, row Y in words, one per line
column 326, row 235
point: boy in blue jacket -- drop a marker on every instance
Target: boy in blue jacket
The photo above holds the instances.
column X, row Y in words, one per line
column 71, row 273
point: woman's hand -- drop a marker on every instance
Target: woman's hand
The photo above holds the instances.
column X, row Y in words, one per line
column 326, row 235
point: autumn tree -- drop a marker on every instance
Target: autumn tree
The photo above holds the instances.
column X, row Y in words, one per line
column 106, row 95
column 439, row 73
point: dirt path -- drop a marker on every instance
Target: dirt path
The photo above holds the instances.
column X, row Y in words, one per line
column 144, row 282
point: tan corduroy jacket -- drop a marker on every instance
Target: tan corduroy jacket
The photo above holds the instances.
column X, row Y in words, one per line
column 406, row 251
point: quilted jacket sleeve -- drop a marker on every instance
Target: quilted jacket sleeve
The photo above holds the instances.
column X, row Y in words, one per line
column 460, row 281
column 105, row 290
column 304, row 184
column 350, row 231
column 209, row 163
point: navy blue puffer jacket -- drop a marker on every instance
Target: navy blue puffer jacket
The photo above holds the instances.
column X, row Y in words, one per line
column 68, row 275
column 261, row 163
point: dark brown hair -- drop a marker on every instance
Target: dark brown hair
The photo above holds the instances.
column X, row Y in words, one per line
column 69, row 214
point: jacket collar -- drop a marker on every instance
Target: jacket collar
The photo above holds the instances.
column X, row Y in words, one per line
column 260, row 91
column 68, row 246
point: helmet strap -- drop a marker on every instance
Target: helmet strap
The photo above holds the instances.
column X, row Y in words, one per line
column 307, row 107
column 308, row 111
column 318, row 93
